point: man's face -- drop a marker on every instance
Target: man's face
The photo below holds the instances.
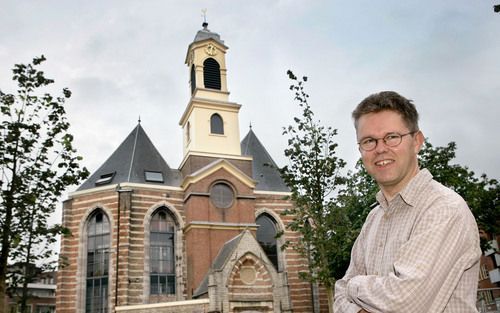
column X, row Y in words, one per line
column 391, row 167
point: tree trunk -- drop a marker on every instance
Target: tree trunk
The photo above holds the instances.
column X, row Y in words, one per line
column 28, row 275
column 330, row 295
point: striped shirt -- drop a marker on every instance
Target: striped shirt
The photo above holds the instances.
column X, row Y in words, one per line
column 417, row 253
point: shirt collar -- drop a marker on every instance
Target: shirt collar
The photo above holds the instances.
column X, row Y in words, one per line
column 410, row 193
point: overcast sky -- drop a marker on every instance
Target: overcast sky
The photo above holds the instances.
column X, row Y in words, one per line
column 125, row 59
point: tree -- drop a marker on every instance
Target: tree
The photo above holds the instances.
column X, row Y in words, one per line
column 37, row 163
column 314, row 177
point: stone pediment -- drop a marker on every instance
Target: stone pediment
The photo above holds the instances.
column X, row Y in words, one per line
column 214, row 167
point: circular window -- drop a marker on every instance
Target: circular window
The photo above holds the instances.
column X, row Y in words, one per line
column 222, row 195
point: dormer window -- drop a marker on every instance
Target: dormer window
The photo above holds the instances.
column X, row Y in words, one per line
column 153, row 177
column 211, row 74
column 216, row 124
column 105, row 179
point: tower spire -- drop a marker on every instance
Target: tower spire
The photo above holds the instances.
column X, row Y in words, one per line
column 204, row 14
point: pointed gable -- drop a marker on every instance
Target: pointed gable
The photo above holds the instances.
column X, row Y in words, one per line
column 136, row 161
column 212, row 168
column 265, row 171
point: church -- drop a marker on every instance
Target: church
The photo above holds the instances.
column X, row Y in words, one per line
column 146, row 237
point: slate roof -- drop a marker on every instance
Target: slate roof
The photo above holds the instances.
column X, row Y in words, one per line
column 205, row 33
column 265, row 171
column 131, row 159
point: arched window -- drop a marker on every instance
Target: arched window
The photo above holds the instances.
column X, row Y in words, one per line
column 216, row 124
column 162, row 253
column 266, row 236
column 98, row 242
column 193, row 79
column 211, row 74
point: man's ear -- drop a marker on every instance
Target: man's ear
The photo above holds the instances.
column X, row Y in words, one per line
column 419, row 141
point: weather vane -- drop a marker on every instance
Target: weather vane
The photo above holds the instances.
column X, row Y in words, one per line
column 204, row 11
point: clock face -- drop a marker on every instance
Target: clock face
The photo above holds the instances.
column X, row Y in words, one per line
column 211, row 49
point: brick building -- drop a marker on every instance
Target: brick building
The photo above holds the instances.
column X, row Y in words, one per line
column 200, row 238
column 41, row 292
column 488, row 297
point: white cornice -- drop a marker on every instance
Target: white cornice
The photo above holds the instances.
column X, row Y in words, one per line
column 114, row 187
column 208, row 103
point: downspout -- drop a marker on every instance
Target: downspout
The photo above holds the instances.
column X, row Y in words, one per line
column 119, row 190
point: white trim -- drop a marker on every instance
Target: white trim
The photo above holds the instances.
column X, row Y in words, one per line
column 114, row 186
column 161, row 305
column 222, row 224
column 277, row 193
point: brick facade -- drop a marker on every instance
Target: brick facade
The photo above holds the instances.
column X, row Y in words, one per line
column 129, row 208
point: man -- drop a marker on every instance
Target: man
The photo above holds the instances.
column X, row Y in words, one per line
column 418, row 250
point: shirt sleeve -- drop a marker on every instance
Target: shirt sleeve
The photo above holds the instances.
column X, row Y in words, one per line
column 426, row 270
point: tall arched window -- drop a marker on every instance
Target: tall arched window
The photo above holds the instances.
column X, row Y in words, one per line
column 162, row 253
column 266, row 236
column 98, row 242
column 193, row 79
column 216, row 124
column 211, row 74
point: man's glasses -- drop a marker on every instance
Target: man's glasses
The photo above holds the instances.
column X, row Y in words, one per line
column 390, row 140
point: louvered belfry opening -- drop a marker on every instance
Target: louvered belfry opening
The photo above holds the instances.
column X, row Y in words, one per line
column 193, row 79
column 211, row 74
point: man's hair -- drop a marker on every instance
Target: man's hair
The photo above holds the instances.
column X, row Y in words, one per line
column 388, row 101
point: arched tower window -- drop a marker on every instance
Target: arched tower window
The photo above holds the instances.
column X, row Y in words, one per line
column 266, row 236
column 216, row 124
column 98, row 243
column 193, row 79
column 162, row 253
column 211, row 74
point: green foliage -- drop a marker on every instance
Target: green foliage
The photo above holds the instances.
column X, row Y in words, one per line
column 314, row 177
column 37, row 163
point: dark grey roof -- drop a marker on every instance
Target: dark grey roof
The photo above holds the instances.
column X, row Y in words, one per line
column 218, row 263
column 130, row 161
column 205, row 33
column 265, row 171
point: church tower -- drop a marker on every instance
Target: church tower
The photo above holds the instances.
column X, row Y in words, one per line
column 210, row 122
column 218, row 182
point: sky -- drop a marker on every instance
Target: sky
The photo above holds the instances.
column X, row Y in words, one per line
column 125, row 59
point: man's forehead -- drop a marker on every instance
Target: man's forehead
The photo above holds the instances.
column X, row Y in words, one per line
column 380, row 124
